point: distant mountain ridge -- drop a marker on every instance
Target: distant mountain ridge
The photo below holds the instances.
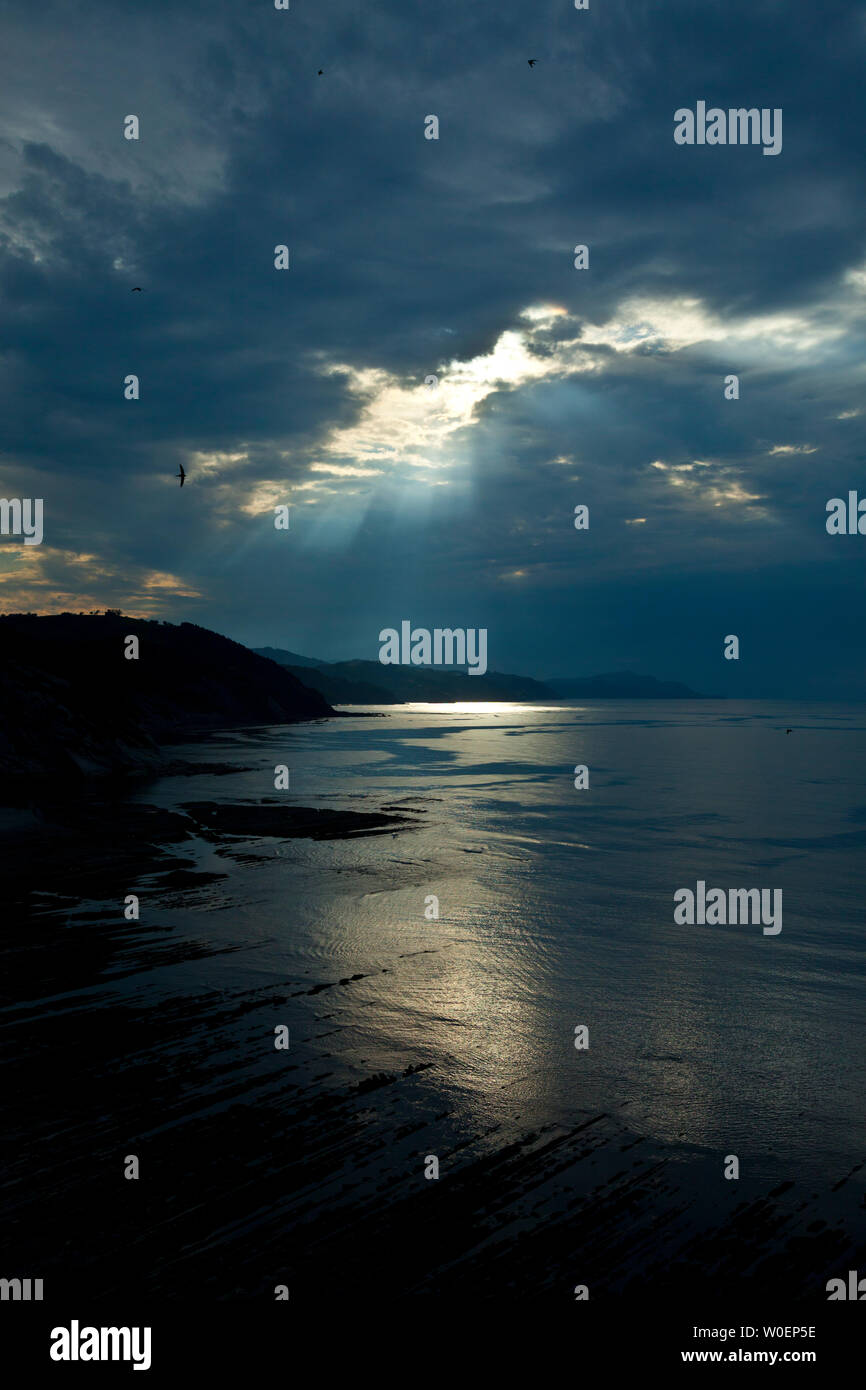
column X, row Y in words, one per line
column 283, row 657
column 372, row 683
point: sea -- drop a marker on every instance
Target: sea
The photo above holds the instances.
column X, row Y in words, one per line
column 555, row 908
column 477, row 1030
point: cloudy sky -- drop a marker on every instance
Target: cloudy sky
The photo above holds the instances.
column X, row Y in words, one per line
column 449, row 505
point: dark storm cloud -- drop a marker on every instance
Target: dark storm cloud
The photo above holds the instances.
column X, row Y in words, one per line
column 409, row 256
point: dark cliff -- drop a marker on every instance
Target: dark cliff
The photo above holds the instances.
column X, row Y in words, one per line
column 71, row 702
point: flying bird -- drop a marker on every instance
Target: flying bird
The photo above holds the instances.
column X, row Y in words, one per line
column 789, row 731
column 180, row 474
column 136, row 289
column 320, row 72
column 532, row 62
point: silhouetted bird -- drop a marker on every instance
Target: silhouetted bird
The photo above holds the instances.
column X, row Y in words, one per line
column 320, row 72
column 181, row 474
column 136, row 289
column 789, row 731
column 532, row 62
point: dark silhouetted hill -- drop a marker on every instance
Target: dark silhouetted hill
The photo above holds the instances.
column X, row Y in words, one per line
column 70, row 702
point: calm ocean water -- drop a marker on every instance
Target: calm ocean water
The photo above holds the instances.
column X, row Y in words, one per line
column 556, row 910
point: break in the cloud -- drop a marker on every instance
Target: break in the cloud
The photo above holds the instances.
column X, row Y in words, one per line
column 412, row 259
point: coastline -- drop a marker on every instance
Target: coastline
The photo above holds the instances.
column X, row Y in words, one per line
column 261, row 1167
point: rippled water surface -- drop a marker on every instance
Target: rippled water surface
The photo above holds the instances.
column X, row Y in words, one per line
column 413, row 1035
column 556, row 907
